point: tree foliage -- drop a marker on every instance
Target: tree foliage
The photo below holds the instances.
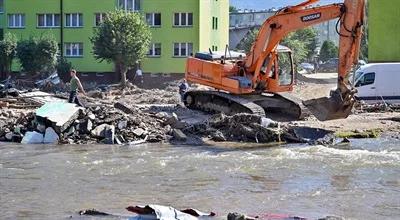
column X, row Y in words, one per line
column 38, row 54
column 309, row 36
column 63, row 67
column 364, row 45
column 328, row 50
column 247, row 42
column 303, row 43
column 232, row 9
column 8, row 51
column 123, row 38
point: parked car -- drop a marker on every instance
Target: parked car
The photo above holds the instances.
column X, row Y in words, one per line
column 330, row 66
column 378, row 82
column 307, row 67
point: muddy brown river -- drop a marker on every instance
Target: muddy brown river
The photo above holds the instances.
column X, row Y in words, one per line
column 54, row 182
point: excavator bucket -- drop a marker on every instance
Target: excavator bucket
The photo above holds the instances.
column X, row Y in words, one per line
column 334, row 107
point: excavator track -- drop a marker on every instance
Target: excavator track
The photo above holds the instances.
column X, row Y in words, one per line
column 214, row 101
column 280, row 107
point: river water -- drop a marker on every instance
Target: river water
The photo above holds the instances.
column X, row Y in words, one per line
column 54, row 182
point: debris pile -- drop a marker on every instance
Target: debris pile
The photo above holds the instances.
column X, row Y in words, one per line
column 363, row 107
column 68, row 124
column 14, row 124
column 240, row 127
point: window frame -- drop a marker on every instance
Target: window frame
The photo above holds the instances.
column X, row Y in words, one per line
column 135, row 7
column 153, row 50
column 79, row 20
column 53, row 20
column 180, row 19
column 153, row 19
column 69, row 46
column 22, row 21
column 103, row 15
column 187, row 51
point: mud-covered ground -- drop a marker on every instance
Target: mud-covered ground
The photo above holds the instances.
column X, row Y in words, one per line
column 307, row 88
column 158, row 115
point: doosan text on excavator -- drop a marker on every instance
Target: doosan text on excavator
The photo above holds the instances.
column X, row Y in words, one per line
column 261, row 81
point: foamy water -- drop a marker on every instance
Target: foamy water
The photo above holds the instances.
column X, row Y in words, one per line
column 54, row 182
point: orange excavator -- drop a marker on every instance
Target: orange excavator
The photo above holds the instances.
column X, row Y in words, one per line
column 261, row 81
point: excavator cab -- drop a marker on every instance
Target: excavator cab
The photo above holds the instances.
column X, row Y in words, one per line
column 281, row 74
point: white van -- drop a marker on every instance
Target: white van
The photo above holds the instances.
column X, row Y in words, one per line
column 378, row 82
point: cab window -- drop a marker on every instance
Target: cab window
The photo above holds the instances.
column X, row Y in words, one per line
column 366, row 79
column 285, row 70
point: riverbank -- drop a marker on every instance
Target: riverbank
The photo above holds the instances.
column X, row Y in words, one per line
column 135, row 116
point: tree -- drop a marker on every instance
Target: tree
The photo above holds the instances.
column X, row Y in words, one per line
column 63, row 68
column 232, row 9
column 364, row 45
column 303, row 43
column 310, row 38
column 247, row 42
column 38, row 55
column 123, row 38
column 328, row 50
column 8, row 51
column 298, row 47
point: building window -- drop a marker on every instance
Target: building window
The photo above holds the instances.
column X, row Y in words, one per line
column 73, row 49
column 153, row 19
column 98, row 18
column 215, row 23
column 155, row 50
column 74, row 20
column 129, row 5
column 1, row 6
column 48, row 20
column 16, row 20
column 183, row 19
column 183, row 49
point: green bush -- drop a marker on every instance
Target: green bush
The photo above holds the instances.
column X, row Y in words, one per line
column 8, row 51
column 64, row 68
column 328, row 50
column 38, row 55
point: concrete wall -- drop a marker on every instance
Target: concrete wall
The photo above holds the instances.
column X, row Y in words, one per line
column 384, row 30
column 167, row 34
column 210, row 37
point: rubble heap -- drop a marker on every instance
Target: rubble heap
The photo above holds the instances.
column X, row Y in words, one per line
column 240, row 127
column 101, row 124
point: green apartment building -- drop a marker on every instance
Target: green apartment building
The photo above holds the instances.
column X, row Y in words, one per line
column 179, row 28
column 384, row 30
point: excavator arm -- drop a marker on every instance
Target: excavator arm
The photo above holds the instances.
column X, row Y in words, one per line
column 351, row 17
